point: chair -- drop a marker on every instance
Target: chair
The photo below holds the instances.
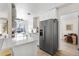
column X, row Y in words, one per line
column 6, row 52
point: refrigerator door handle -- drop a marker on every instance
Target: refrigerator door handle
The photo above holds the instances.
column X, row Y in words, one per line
column 43, row 34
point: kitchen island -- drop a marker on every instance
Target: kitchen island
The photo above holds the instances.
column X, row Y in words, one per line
column 26, row 47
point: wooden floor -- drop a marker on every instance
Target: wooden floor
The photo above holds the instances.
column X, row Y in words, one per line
column 64, row 53
column 58, row 53
column 42, row 53
column 66, row 49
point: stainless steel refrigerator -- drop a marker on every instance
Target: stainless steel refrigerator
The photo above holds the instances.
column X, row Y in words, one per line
column 49, row 35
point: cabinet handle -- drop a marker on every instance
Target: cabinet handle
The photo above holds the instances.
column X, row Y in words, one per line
column 43, row 34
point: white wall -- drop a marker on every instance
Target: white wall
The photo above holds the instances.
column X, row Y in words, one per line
column 66, row 20
column 4, row 10
column 4, row 13
column 68, row 15
column 50, row 14
column 30, row 23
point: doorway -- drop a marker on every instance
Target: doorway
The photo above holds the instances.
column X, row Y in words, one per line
column 68, row 34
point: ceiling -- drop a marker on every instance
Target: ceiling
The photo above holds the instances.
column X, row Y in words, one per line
column 33, row 8
column 42, row 7
column 36, row 8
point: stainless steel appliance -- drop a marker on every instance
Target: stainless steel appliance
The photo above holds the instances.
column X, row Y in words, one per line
column 49, row 35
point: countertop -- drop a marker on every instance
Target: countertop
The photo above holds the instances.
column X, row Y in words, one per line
column 10, row 43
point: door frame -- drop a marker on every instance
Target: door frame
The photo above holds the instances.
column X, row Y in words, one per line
column 59, row 26
column 78, row 36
